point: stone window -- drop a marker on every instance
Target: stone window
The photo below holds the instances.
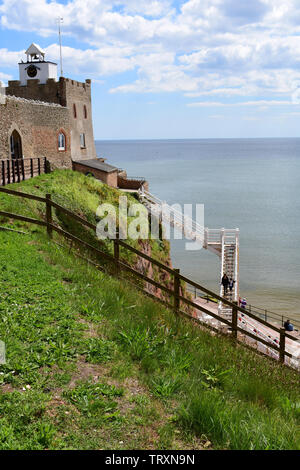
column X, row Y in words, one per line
column 84, row 112
column 61, row 142
column 74, row 111
column 82, row 141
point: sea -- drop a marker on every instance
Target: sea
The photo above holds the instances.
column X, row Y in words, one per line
column 250, row 184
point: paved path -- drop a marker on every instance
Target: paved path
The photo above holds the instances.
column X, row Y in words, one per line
column 254, row 326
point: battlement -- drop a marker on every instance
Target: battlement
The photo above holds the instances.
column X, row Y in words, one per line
column 85, row 85
column 48, row 92
column 58, row 92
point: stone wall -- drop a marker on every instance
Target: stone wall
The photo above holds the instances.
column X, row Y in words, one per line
column 38, row 126
column 108, row 178
column 51, row 92
column 78, row 95
column 131, row 183
column 67, row 93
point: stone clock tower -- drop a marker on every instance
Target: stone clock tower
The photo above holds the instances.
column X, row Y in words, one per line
column 36, row 68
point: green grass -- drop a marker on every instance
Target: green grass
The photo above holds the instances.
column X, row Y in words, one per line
column 92, row 364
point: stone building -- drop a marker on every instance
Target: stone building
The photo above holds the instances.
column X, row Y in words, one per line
column 41, row 116
column 45, row 117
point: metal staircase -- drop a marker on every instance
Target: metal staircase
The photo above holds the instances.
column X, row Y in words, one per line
column 222, row 242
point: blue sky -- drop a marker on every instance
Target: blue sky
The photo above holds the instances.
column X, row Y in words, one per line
column 170, row 69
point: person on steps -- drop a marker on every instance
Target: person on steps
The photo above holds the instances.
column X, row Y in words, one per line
column 225, row 283
column 288, row 326
column 231, row 284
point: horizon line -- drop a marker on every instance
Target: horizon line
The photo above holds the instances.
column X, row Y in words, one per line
column 191, row 138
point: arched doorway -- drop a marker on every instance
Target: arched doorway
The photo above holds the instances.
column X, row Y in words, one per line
column 16, row 145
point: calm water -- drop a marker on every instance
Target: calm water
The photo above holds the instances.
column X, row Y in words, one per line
column 253, row 184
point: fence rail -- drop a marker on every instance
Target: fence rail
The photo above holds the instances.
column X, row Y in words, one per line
column 176, row 298
column 14, row 171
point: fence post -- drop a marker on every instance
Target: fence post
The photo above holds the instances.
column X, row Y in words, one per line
column 117, row 253
column 13, row 167
column 18, row 170
column 48, row 214
column 31, row 168
column 234, row 322
column 282, row 345
column 3, row 173
column 23, row 169
column 8, row 172
column 176, row 289
column 39, row 166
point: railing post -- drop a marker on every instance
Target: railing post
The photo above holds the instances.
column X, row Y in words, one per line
column 18, row 170
column 117, row 253
column 3, row 173
column 160, row 226
column 234, row 322
column 282, row 345
column 13, row 171
column 8, row 172
column 205, row 237
column 176, row 289
column 23, row 169
column 49, row 215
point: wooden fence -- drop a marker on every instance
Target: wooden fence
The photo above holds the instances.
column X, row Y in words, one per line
column 14, row 171
column 176, row 299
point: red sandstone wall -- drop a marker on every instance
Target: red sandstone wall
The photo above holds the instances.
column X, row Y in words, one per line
column 111, row 179
column 38, row 126
column 67, row 93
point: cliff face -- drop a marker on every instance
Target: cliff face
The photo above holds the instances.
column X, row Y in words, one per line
column 154, row 272
column 146, row 268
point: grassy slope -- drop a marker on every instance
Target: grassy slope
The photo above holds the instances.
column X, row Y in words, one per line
column 80, row 194
column 91, row 364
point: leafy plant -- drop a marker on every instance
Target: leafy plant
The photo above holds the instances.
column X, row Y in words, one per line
column 141, row 342
column 213, row 377
column 45, row 434
column 165, row 386
column 91, row 398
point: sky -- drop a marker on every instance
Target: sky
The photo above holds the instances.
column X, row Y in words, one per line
column 170, row 69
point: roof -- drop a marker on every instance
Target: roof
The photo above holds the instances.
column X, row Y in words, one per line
column 35, row 49
column 97, row 165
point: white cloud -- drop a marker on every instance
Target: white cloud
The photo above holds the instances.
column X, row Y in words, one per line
column 218, row 48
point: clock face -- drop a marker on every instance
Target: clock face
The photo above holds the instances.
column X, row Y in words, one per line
column 32, row 71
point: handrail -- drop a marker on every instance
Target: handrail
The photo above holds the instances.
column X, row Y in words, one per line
column 267, row 313
column 19, row 159
column 135, row 178
column 175, row 292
